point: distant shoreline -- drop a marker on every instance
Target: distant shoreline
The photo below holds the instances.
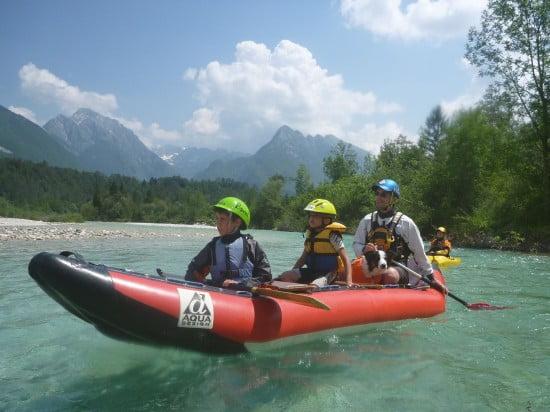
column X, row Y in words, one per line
column 26, row 229
column 11, row 221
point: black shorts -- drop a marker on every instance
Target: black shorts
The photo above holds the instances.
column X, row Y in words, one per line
column 307, row 275
column 403, row 276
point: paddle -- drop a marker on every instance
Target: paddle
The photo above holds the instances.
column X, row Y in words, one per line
column 294, row 297
column 361, row 285
column 263, row 291
column 471, row 306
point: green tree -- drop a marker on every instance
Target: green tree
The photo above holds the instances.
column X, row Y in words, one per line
column 341, row 162
column 303, row 180
column 369, row 162
column 433, row 131
column 269, row 205
column 461, row 171
column 406, row 163
column 512, row 47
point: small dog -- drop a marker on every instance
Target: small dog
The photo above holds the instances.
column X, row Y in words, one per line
column 377, row 267
column 375, row 262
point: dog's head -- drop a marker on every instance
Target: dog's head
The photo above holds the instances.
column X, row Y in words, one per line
column 375, row 259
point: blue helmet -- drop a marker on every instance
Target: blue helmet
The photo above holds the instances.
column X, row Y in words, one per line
column 388, row 185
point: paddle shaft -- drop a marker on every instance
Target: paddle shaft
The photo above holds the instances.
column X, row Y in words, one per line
column 428, row 281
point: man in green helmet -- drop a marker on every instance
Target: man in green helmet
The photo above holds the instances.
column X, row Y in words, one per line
column 232, row 259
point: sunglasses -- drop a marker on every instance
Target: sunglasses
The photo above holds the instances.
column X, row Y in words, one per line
column 381, row 193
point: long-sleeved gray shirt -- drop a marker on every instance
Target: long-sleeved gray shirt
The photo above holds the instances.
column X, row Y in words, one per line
column 407, row 229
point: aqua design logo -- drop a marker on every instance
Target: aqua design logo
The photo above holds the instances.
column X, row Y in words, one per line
column 196, row 309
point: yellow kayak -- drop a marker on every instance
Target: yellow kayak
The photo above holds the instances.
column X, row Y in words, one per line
column 442, row 260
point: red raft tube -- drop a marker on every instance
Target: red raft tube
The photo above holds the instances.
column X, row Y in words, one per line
column 159, row 310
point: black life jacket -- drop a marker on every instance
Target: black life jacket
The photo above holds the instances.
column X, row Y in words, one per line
column 385, row 238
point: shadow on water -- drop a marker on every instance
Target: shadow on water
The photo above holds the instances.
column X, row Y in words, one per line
column 114, row 376
column 82, row 370
column 176, row 381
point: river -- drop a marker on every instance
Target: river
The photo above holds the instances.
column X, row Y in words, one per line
column 460, row 360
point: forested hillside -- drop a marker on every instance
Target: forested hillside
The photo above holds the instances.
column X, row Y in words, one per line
column 38, row 191
column 22, row 139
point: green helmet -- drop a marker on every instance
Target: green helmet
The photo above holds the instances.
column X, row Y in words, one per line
column 321, row 206
column 237, row 207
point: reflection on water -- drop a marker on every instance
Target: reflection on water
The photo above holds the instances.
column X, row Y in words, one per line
column 460, row 360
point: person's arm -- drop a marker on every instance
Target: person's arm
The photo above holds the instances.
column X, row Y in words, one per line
column 262, row 268
column 347, row 265
column 196, row 269
column 432, row 247
column 301, row 260
column 411, row 234
column 360, row 237
column 337, row 242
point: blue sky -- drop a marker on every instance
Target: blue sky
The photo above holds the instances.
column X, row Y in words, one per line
column 227, row 74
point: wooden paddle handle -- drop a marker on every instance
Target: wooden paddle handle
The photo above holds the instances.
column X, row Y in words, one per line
column 361, row 285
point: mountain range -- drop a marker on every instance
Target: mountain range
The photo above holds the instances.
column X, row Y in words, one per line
column 190, row 160
column 103, row 144
column 92, row 142
column 282, row 155
column 23, row 139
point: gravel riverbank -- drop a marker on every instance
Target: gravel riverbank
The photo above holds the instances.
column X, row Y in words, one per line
column 23, row 229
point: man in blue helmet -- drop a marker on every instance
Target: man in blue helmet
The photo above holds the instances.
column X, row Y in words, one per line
column 389, row 230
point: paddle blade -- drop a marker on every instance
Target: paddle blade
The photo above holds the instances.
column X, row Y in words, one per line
column 294, row 297
column 485, row 306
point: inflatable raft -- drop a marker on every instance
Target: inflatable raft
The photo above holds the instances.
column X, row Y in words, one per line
column 159, row 310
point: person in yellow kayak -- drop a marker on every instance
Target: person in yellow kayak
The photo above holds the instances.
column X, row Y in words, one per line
column 324, row 252
column 440, row 245
column 233, row 259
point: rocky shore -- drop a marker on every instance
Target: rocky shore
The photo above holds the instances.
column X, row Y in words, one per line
column 22, row 229
column 58, row 232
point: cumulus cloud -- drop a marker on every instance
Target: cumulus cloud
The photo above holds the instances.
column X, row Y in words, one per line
column 263, row 89
column 133, row 124
column 431, row 19
column 371, row 136
column 471, row 96
column 44, row 86
column 204, row 121
column 26, row 113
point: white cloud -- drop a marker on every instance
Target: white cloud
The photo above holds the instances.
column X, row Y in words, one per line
column 263, row 89
column 134, row 125
column 204, row 121
column 26, row 113
column 371, row 136
column 433, row 19
column 44, row 86
column 162, row 134
column 152, row 135
column 190, row 74
column 472, row 95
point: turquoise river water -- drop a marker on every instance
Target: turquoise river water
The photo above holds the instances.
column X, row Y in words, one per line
column 460, row 361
